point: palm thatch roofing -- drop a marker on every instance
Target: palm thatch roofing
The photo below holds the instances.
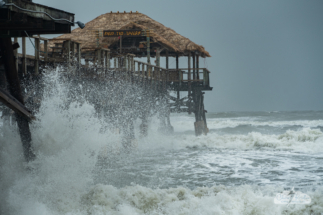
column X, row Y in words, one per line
column 165, row 36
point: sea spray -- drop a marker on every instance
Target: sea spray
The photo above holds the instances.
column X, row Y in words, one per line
column 81, row 168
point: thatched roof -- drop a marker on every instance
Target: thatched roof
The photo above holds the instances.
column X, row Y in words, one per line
column 117, row 21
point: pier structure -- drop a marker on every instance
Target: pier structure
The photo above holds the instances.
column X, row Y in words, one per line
column 108, row 50
column 116, row 36
column 23, row 18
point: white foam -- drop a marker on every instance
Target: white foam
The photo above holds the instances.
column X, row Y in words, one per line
column 306, row 139
column 68, row 141
column 183, row 123
column 246, row 199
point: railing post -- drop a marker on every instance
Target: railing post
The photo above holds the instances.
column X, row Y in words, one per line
column 204, row 77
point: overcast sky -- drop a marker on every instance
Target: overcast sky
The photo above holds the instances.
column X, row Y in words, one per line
column 266, row 55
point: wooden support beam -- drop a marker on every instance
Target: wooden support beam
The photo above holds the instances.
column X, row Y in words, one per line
column 158, row 57
column 194, row 66
column 167, row 62
column 16, row 53
column 46, row 50
column 143, row 74
column 179, row 76
column 108, row 59
column 197, row 67
column 106, row 62
column 98, row 57
column 189, row 66
column 167, row 67
column 24, row 60
column 72, row 51
column 148, row 48
column 132, row 64
column 37, row 48
column 189, row 79
column 120, row 44
column 68, row 50
column 15, row 91
column 15, row 105
column 102, row 58
column 78, row 54
column 128, row 62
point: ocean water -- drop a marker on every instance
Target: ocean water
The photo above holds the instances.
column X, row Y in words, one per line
column 237, row 168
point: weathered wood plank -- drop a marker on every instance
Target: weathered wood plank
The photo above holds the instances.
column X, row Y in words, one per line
column 15, row 105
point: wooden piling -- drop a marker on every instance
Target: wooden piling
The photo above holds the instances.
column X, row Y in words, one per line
column 68, row 50
column 197, row 68
column 16, row 53
column 72, row 51
column 189, row 81
column 15, row 90
column 24, row 60
column 194, row 66
column 45, row 51
column 78, row 55
column 37, row 56
column 179, row 77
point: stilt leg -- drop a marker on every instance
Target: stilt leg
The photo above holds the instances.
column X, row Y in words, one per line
column 15, row 90
column 200, row 120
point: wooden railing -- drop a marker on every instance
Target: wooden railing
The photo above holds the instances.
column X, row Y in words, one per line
column 69, row 51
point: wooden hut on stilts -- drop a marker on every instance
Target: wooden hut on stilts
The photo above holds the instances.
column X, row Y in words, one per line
column 116, row 35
